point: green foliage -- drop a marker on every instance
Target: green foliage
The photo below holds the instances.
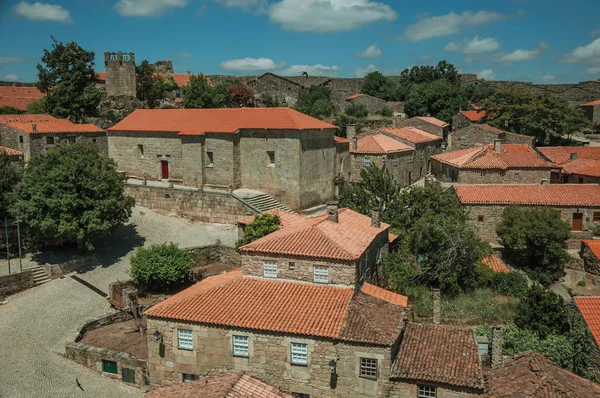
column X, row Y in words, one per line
column 377, row 85
column 315, row 102
column 71, row 194
column 269, row 101
column 67, row 78
column 427, row 74
column 38, row 106
column 263, row 225
column 342, row 120
column 512, row 284
column 150, row 87
column 169, row 83
column 240, row 95
column 198, row 93
column 160, row 267
column 534, row 238
column 542, row 311
column 475, row 93
column 9, row 110
column 10, row 175
column 581, row 283
column 386, row 111
column 439, row 98
column 357, row 110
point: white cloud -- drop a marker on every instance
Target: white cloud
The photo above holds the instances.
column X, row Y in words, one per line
column 426, row 57
column 185, row 55
column 329, row 15
column 11, row 60
column 147, row 8
column 371, row 52
column 42, row 12
column 11, row 77
column 248, row 64
column 592, row 70
column 362, row 72
column 446, row 25
column 486, row 74
column 474, row 46
column 548, row 77
column 312, row 70
column 595, row 33
column 525, row 55
column 247, row 5
column 590, row 53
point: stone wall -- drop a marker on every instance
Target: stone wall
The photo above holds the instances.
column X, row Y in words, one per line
column 513, row 138
column 460, row 121
column 57, row 270
column 373, row 104
column 470, row 137
column 204, row 255
column 14, row 283
column 9, row 137
column 120, row 74
column 400, row 166
column 425, row 126
column 207, row 206
column 447, row 173
column 574, row 93
column 580, row 179
column 591, row 263
column 409, row 389
column 269, row 360
column 317, row 168
column 342, row 166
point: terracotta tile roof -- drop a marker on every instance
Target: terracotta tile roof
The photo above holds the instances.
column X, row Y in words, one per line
column 19, row 97
column 234, row 385
column 380, row 144
column 439, row 354
column 433, row 120
column 54, row 126
column 593, row 103
column 531, row 375
column 285, row 217
column 223, row 120
column 285, row 307
column 492, row 129
column 340, row 140
column 412, row 134
column 318, row 237
column 10, row 151
column 101, row 76
column 590, row 309
column 530, row 194
column 594, row 246
column 352, row 97
column 562, row 154
column 484, row 157
column 474, row 116
column 496, row 264
column 385, row 295
column 584, row 167
column 26, row 118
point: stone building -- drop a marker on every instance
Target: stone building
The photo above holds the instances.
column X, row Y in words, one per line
column 492, row 164
column 590, row 252
column 13, row 155
column 280, row 151
column 19, row 97
column 589, row 307
column 120, row 74
column 580, row 165
column 373, row 104
column 342, row 163
column 428, row 124
column 592, row 110
column 35, row 134
column 577, row 204
column 466, row 118
column 476, row 135
column 281, row 89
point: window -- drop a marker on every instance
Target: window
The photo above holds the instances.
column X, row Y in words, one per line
column 178, row 93
column 271, row 155
column 367, row 161
column 70, row 140
column 50, row 140
column 480, row 218
column 299, row 354
column 368, row 368
column 320, row 274
column 185, row 340
column 300, row 395
column 292, row 265
column 109, row 366
column 395, row 162
column 94, row 140
column 209, row 156
column 188, row 378
column 516, row 176
column 270, row 269
column 128, row 375
column 463, row 141
column 426, row 392
column 487, row 138
column 140, row 151
column 596, row 216
column 21, row 139
column 240, row 346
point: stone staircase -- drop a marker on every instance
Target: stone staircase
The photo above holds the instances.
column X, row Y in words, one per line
column 259, row 201
column 40, row 276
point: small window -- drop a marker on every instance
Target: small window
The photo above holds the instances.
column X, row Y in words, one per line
column 367, row 161
column 188, row 378
column 300, row 395
column 178, row 93
column 426, row 392
column 185, row 340
column 463, row 142
column 368, row 368
column 596, row 216
column 50, row 140
column 480, row 218
column 292, row 265
column 140, row 150
column 271, row 155
column 94, row 140
column 395, row 162
column 240, row 346
column 21, row 139
column 517, row 176
column 270, row 269
column 209, row 156
column 128, row 375
column 320, row 274
column 299, row 354
column 487, row 138
column 109, row 366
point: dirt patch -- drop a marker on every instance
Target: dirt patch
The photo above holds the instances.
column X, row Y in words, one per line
column 122, row 337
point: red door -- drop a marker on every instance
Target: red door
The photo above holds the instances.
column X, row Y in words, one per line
column 577, row 222
column 164, row 166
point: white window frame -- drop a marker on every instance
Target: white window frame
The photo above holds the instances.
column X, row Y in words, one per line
column 367, row 161
column 517, row 176
column 270, row 269
column 424, row 391
column 241, row 346
column 320, row 274
column 463, row 141
column 299, row 354
column 185, row 339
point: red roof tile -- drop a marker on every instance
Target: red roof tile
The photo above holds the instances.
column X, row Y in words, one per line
column 531, row 375
column 492, row 129
column 594, row 246
column 19, row 97
column 484, row 157
column 379, row 144
column 439, row 354
column 54, row 126
column 101, row 76
column 495, row 264
column 562, row 154
column 593, row 103
column 26, row 118
column 474, row 116
column 412, row 134
column 340, row 140
column 352, row 97
column 584, row 167
column 385, row 295
column 433, row 120
column 590, row 309
column 10, row 151
column 318, row 237
column 530, row 194
column 223, row 120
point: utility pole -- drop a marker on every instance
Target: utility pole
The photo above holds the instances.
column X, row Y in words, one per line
column 7, row 248
column 19, row 243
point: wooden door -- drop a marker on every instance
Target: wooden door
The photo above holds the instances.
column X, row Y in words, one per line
column 164, row 166
column 577, row 222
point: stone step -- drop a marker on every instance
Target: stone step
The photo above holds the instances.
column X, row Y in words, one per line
column 40, row 276
column 262, row 202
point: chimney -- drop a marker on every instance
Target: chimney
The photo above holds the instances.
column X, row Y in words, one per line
column 350, row 131
column 375, row 218
column 332, row 211
column 497, row 145
column 436, row 296
column 354, row 143
column 544, row 182
column 33, row 127
column 573, row 156
column 497, row 343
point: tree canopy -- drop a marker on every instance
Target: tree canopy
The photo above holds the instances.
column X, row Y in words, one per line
column 262, row 225
column 315, row 102
column 160, row 267
column 150, row 86
column 240, row 95
column 377, row 85
column 199, row 93
column 440, row 98
column 10, row 175
column 9, row 110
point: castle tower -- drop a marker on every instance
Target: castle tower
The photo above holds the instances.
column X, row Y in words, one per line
column 120, row 73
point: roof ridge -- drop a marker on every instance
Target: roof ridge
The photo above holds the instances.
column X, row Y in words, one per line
column 292, row 117
column 364, row 318
column 350, row 255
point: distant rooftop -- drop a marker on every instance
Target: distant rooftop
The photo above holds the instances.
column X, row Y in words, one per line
column 485, row 157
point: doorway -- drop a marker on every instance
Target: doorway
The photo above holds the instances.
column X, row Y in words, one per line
column 577, row 222
column 164, row 167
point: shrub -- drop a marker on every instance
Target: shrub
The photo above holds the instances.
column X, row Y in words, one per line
column 581, row 283
column 512, row 284
column 160, row 267
column 268, row 100
column 262, row 225
column 597, row 230
column 356, row 110
column 386, row 111
column 542, row 311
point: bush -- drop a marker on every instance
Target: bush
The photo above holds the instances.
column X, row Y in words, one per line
column 597, row 230
column 263, row 225
column 268, row 100
column 160, row 267
column 342, row 120
column 543, row 312
column 386, row 111
column 512, row 284
column 357, row 110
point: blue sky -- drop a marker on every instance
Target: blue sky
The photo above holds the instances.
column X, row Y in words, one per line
column 551, row 41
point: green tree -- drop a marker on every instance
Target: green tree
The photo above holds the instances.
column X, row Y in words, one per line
column 9, row 110
column 315, row 102
column 342, row 120
column 240, row 95
column 150, row 87
column 357, row 110
column 534, row 238
column 269, row 101
column 160, row 267
column 476, row 93
column 71, row 194
column 169, row 83
column 66, row 76
column 440, row 98
column 427, row 73
column 38, row 106
column 199, row 93
column 543, row 312
column 10, row 175
column 263, row 225
column 377, row 85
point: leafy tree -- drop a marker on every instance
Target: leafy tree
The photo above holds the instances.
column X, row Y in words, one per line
column 342, row 120
column 71, row 194
column 315, row 102
column 543, row 312
column 199, row 93
column 268, row 100
column 439, row 98
column 38, row 106
column 67, row 79
column 534, row 238
column 357, row 110
column 169, row 83
column 10, row 175
column 240, row 95
column 263, row 225
column 150, row 87
column 427, row 74
column 512, row 284
column 9, row 110
column 386, row 111
column 377, row 85
column 476, row 93
column 160, row 267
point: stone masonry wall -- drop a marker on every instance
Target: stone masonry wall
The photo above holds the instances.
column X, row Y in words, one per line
column 38, row 143
column 269, row 360
column 342, row 165
column 317, row 167
column 408, row 389
column 470, row 137
column 581, row 179
column 400, row 166
column 446, row 173
column 9, row 137
column 221, row 172
column 14, row 283
column 591, row 264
